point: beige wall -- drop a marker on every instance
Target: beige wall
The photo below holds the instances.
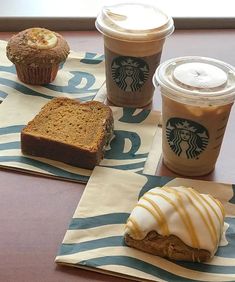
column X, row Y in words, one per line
column 80, row 14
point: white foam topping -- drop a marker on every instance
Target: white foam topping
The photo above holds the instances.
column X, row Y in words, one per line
column 197, row 219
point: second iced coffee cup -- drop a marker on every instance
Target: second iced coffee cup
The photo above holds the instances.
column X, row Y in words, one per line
column 197, row 96
column 134, row 35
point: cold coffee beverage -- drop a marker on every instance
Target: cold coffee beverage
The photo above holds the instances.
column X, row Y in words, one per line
column 197, row 96
column 132, row 51
column 129, row 77
column 192, row 136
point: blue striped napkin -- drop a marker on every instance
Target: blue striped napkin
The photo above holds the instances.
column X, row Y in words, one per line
column 94, row 239
column 81, row 76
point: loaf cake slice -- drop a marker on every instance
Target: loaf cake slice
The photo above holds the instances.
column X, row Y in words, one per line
column 176, row 223
column 69, row 131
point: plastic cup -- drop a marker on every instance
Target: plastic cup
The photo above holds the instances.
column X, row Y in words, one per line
column 197, row 96
column 134, row 35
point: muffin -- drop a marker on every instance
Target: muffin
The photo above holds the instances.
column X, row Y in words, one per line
column 176, row 223
column 37, row 54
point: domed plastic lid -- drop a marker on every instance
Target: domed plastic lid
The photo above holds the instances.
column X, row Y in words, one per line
column 134, row 22
column 197, row 80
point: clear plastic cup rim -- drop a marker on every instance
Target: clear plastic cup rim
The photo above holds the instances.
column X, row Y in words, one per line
column 170, row 88
column 154, row 34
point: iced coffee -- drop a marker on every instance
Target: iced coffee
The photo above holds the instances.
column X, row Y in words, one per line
column 197, row 96
column 134, row 35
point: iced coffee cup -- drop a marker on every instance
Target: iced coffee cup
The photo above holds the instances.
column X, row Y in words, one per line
column 134, row 35
column 197, row 96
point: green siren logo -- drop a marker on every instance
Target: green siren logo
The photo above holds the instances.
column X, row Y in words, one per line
column 186, row 138
column 129, row 73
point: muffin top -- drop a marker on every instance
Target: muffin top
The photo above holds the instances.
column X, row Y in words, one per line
column 37, row 46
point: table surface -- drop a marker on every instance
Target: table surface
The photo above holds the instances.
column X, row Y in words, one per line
column 35, row 211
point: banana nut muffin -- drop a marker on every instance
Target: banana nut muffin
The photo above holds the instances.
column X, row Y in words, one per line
column 37, row 54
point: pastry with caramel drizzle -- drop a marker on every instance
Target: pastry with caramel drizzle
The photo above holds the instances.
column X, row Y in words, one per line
column 177, row 223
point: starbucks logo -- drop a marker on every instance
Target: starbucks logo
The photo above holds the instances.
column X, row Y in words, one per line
column 129, row 73
column 186, row 138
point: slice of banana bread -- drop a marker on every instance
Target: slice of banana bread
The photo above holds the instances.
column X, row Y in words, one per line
column 69, row 131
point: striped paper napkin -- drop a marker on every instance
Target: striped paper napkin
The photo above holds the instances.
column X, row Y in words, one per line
column 81, row 76
column 94, row 239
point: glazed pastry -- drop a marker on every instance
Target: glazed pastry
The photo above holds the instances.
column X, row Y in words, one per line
column 37, row 54
column 69, row 131
column 177, row 223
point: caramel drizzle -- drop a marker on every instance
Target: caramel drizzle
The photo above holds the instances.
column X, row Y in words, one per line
column 211, row 230
column 183, row 215
column 161, row 218
column 202, row 201
column 221, row 207
column 154, row 214
column 213, row 209
column 133, row 225
column 187, row 220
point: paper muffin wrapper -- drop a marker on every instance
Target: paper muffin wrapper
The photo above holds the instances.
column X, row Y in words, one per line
column 36, row 75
